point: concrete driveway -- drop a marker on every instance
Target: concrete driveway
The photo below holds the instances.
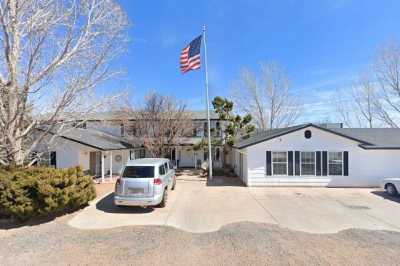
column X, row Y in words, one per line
column 196, row 206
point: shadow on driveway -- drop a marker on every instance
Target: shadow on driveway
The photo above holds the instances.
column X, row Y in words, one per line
column 225, row 181
column 106, row 204
column 386, row 196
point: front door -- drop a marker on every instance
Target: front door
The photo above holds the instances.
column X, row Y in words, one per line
column 95, row 163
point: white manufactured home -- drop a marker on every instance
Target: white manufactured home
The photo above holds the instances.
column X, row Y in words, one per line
column 313, row 155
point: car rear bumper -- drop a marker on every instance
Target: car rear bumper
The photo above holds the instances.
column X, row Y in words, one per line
column 134, row 201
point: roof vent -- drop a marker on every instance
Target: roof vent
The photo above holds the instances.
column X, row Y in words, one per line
column 307, row 134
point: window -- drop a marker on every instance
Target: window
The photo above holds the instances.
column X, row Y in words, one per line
column 335, row 163
column 198, row 132
column 279, row 163
column 161, row 170
column 122, row 127
column 131, row 131
column 138, row 172
column 307, row 163
column 139, row 153
column 166, row 167
column 217, row 154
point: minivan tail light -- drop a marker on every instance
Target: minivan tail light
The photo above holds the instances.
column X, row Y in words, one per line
column 157, row 181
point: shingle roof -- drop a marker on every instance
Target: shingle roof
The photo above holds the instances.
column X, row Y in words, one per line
column 368, row 138
column 265, row 135
column 96, row 139
column 379, row 138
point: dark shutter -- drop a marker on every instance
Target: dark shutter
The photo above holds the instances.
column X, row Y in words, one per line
column 297, row 163
column 53, row 159
column 318, row 163
column 290, row 162
column 268, row 166
column 324, row 163
column 345, row 163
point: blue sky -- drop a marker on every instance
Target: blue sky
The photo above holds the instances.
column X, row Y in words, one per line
column 322, row 44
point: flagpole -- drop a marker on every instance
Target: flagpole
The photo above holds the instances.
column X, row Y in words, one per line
column 208, row 106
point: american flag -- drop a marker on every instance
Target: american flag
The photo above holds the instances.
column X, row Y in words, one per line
column 190, row 56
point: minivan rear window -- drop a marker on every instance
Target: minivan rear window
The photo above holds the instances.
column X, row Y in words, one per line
column 138, row 172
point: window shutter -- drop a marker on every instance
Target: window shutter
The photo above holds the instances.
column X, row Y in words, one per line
column 268, row 165
column 318, row 163
column 345, row 163
column 53, row 159
column 290, row 163
column 297, row 163
column 324, row 163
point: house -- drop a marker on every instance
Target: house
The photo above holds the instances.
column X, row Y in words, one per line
column 318, row 155
column 102, row 143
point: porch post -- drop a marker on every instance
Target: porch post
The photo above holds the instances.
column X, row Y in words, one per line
column 102, row 167
column 195, row 160
column 111, row 161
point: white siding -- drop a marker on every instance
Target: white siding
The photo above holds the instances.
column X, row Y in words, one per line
column 366, row 167
column 116, row 166
column 71, row 154
column 242, row 174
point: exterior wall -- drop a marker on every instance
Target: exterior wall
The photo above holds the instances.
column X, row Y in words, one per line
column 235, row 163
column 193, row 159
column 116, row 166
column 366, row 167
column 70, row 154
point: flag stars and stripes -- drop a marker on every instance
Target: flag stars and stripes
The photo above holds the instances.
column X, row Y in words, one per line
column 190, row 56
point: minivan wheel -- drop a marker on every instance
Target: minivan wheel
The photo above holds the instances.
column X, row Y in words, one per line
column 391, row 190
column 164, row 199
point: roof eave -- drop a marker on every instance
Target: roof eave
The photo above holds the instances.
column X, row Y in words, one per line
column 366, row 147
column 362, row 142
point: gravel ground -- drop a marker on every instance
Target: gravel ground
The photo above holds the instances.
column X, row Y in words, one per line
column 55, row 243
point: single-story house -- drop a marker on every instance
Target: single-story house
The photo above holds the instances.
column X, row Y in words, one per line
column 98, row 153
column 314, row 155
column 103, row 154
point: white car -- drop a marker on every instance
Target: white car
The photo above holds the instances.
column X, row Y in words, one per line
column 145, row 182
column 391, row 185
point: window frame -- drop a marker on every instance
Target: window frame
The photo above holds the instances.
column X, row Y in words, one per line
column 272, row 163
column 159, row 170
column 342, row 163
column 301, row 163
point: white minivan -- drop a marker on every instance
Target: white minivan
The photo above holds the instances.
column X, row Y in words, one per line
column 145, row 182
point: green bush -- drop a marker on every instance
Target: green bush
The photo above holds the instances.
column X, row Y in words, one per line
column 43, row 192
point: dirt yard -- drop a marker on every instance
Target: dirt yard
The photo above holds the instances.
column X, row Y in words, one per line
column 56, row 243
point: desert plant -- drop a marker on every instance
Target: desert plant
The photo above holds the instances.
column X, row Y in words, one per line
column 43, row 192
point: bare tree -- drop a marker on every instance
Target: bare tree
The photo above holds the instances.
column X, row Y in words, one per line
column 365, row 100
column 357, row 106
column 54, row 53
column 268, row 98
column 387, row 72
column 161, row 122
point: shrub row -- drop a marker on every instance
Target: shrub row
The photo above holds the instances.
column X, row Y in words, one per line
column 43, row 192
